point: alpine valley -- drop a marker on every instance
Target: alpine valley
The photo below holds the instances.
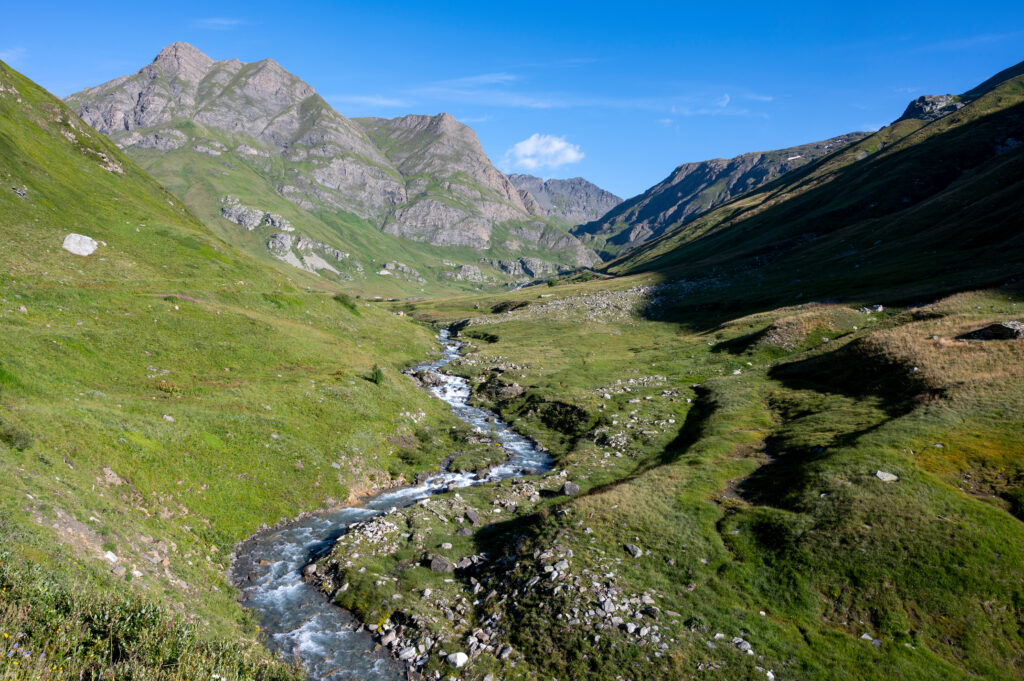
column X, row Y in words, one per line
column 286, row 394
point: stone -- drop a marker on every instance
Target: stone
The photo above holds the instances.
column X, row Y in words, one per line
column 634, row 550
column 119, row 571
column 79, row 244
column 472, row 516
column 407, row 653
column 1011, row 330
column 441, row 564
column 570, row 489
column 886, row 477
column 464, row 532
column 457, row 660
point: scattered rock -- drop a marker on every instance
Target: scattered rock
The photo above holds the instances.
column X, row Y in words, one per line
column 1011, row 330
column 634, row 550
column 111, row 478
column 458, row 660
column 570, row 489
column 79, row 244
column 441, row 564
column 886, row 477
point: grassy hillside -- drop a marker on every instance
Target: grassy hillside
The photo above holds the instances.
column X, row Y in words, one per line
column 915, row 208
column 160, row 399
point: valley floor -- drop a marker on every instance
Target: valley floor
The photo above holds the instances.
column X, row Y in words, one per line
column 811, row 492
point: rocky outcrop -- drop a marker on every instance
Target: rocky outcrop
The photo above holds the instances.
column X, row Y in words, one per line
column 574, row 200
column 932, row 107
column 695, row 188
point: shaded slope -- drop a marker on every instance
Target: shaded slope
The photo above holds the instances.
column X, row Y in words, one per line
column 917, row 206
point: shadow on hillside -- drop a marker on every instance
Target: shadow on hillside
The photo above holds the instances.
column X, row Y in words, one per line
column 850, row 371
column 889, row 229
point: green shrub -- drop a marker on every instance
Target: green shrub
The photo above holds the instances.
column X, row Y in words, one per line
column 346, row 300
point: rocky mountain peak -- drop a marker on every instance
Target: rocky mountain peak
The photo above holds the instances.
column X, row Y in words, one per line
column 181, row 60
column 574, row 200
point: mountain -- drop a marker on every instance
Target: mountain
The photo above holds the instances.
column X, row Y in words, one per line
column 695, row 188
column 574, row 201
column 921, row 205
column 411, row 192
column 162, row 396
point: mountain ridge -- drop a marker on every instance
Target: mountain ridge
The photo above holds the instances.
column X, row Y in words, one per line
column 693, row 189
column 574, row 200
column 211, row 129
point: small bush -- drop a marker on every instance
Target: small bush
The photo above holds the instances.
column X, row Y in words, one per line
column 377, row 374
column 14, row 437
column 346, row 300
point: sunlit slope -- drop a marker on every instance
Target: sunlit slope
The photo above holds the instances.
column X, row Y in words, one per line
column 163, row 397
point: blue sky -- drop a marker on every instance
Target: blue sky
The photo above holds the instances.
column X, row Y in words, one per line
column 619, row 93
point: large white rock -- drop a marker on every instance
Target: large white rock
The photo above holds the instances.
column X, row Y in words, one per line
column 886, row 477
column 79, row 244
column 458, row 660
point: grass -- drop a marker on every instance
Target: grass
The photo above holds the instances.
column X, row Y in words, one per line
column 761, row 497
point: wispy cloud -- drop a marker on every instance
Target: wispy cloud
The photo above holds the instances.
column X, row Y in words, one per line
column 218, row 23
column 15, row 56
column 368, row 100
column 664, row 121
column 968, row 42
column 481, row 79
column 542, row 151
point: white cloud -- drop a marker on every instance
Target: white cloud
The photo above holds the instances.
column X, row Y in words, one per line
column 14, row 56
column 542, row 151
column 368, row 100
column 218, row 23
column 724, row 101
column 665, row 121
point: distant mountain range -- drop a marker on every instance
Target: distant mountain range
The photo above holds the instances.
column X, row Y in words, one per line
column 222, row 133
column 574, row 201
column 693, row 189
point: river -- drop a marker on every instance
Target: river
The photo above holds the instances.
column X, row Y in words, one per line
column 301, row 622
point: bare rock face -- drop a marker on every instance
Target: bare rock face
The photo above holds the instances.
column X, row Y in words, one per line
column 422, row 178
column 574, row 200
column 932, row 107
